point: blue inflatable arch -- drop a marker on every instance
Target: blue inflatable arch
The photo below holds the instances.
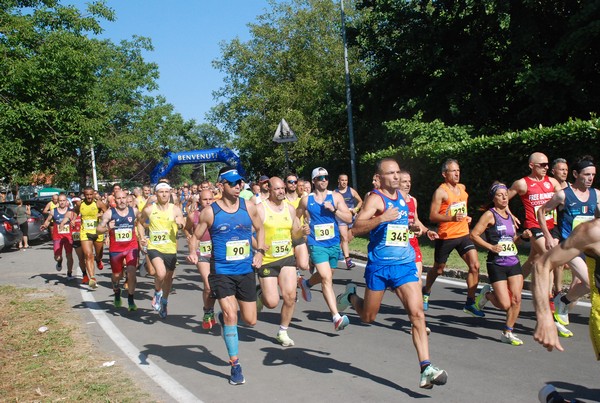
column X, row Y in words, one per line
column 224, row 155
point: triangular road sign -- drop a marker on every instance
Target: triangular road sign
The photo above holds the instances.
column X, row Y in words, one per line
column 284, row 134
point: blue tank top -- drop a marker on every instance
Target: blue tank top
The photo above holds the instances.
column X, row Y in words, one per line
column 348, row 198
column 502, row 232
column 324, row 229
column 231, row 235
column 389, row 242
column 575, row 211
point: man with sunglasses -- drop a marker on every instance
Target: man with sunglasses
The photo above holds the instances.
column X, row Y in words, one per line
column 322, row 209
column 230, row 221
column 299, row 244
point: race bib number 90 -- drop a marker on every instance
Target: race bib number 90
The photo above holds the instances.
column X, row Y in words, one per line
column 324, row 232
column 237, row 250
column 396, row 235
column 159, row 237
column 123, row 234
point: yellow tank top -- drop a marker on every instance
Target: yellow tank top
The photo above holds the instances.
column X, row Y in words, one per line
column 89, row 216
column 52, row 205
column 163, row 230
column 141, row 202
column 455, row 203
column 278, row 233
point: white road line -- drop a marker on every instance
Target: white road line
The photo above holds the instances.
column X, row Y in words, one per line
column 162, row 379
column 462, row 283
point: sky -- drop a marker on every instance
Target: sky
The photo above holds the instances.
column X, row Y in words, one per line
column 186, row 36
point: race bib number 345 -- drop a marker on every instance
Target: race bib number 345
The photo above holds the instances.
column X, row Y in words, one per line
column 396, row 235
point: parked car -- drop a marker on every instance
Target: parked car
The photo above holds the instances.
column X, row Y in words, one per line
column 33, row 223
column 10, row 232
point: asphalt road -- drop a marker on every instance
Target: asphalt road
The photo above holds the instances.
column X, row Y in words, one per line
column 175, row 360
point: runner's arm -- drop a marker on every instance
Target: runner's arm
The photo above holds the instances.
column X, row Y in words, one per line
column 103, row 225
column 359, row 201
column 556, row 200
column 486, row 220
column 436, row 202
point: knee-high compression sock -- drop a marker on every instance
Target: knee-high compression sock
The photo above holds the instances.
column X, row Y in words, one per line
column 230, row 335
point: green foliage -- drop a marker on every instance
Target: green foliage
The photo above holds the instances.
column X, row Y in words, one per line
column 484, row 159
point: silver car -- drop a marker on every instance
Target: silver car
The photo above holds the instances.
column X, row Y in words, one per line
column 34, row 222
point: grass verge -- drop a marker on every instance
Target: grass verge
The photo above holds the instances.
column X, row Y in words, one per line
column 59, row 364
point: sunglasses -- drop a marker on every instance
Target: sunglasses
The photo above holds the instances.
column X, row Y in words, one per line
column 542, row 164
column 233, row 184
column 292, row 182
column 322, row 178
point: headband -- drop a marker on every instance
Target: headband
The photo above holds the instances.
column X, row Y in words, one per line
column 583, row 164
column 495, row 188
column 162, row 185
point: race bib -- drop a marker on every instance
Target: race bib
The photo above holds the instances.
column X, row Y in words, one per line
column 396, row 235
column 281, row 248
column 65, row 229
column 90, row 224
column 123, row 234
column 508, row 247
column 205, row 248
column 324, row 231
column 581, row 219
column 159, row 237
column 458, row 207
column 237, row 250
column 76, row 236
column 548, row 216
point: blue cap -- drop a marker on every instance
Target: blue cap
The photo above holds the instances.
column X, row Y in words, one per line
column 230, row 175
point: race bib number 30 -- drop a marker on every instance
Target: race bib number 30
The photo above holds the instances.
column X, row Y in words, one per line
column 159, row 237
column 123, row 234
column 237, row 250
column 396, row 235
column 90, row 224
column 508, row 247
column 324, row 232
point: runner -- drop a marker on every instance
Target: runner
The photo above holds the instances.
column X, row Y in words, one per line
column 503, row 266
column 232, row 280
column 299, row 244
column 61, row 239
column 585, row 238
column 204, row 252
column 90, row 209
column 322, row 209
column 263, row 183
column 52, row 204
column 577, row 203
column 165, row 218
column 560, row 172
column 391, row 264
column 354, row 203
column 120, row 223
column 279, row 265
column 449, row 209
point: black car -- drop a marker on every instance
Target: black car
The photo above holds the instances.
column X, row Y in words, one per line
column 10, row 233
column 34, row 222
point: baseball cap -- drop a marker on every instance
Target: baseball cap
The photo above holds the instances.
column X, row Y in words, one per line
column 263, row 178
column 230, row 175
column 318, row 172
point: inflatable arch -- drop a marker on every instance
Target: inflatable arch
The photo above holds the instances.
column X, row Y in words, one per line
column 195, row 157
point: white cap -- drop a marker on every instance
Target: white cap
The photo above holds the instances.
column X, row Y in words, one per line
column 318, row 172
column 162, row 185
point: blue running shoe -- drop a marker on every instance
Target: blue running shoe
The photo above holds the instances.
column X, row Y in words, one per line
column 342, row 300
column 237, row 378
column 162, row 312
column 425, row 301
column 341, row 323
column 156, row 300
column 472, row 310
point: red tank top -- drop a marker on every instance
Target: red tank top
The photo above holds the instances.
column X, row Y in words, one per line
column 538, row 193
column 410, row 202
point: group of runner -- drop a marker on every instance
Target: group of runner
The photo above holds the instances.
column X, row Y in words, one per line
column 283, row 226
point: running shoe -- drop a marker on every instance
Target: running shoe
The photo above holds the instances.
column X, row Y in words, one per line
column 162, row 312
column 510, row 338
column 132, row 307
column 426, row 301
column 208, row 321
column 350, row 264
column 284, row 339
column 93, row 283
column 306, row 294
column 561, row 310
column 342, row 299
column 100, row 265
column 59, row 265
column 341, row 323
column 70, row 276
column 237, row 378
column 156, row 300
column 481, row 299
column 432, row 376
column 118, row 302
column 259, row 301
column 472, row 310
column 563, row 331
column 85, row 279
